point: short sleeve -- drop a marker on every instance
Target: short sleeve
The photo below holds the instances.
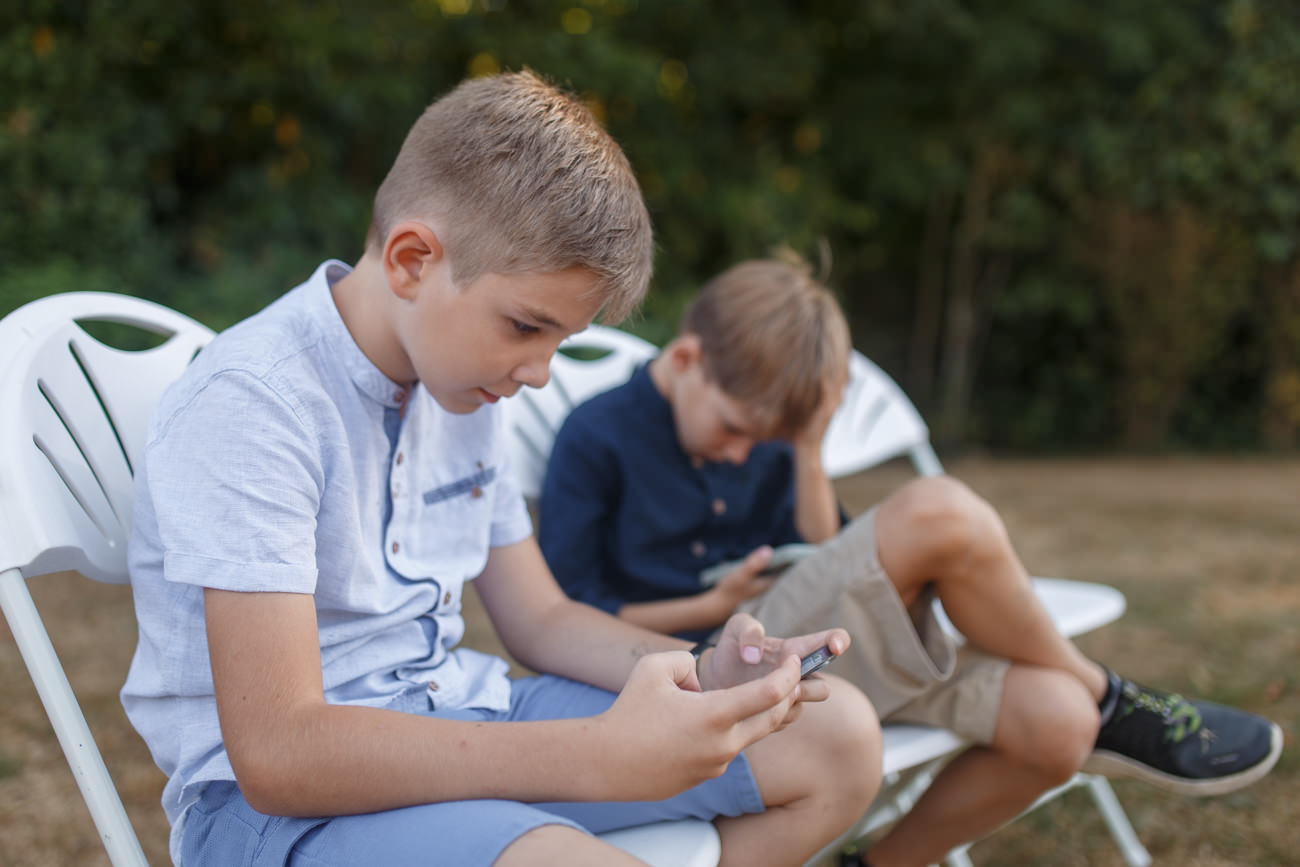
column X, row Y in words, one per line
column 236, row 478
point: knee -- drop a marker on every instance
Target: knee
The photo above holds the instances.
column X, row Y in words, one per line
column 947, row 520
column 849, row 749
column 1056, row 728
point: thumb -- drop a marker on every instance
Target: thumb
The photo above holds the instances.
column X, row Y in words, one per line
column 758, row 558
column 750, row 639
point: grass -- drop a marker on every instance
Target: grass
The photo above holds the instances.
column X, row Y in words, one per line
column 1205, row 550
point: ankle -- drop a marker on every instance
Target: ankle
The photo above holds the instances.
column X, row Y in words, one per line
column 1110, row 697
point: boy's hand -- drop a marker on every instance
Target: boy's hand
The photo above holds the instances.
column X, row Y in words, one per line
column 745, row 652
column 811, row 435
column 743, row 582
column 668, row 736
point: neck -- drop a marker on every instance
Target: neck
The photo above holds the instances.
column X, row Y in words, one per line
column 365, row 302
column 662, row 373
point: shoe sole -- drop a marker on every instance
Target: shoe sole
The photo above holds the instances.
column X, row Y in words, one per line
column 1111, row 764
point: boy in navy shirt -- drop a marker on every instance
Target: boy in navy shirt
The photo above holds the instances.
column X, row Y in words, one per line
column 712, row 453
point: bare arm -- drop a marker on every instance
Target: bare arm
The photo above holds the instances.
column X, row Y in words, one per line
column 295, row 754
column 706, row 610
column 816, row 512
column 547, row 631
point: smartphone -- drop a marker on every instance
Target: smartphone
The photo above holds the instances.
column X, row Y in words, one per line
column 815, row 661
column 783, row 557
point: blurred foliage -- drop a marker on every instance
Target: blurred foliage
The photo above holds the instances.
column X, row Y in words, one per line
column 1061, row 224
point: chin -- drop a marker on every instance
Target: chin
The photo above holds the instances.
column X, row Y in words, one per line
column 457, row 404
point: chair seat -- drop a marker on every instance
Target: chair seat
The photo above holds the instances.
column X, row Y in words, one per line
column 684, row 843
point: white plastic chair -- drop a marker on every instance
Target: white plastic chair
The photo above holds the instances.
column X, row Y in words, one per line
column 874, row 423
column 75, row 412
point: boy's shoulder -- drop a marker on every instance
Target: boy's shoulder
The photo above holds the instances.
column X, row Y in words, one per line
column 631, row 404
column 278, row 348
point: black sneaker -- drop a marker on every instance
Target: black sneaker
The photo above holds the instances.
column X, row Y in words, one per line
column 1190, row 747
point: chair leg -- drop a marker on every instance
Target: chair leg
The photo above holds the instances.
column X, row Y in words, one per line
column 1135, row 854
column 69, row 723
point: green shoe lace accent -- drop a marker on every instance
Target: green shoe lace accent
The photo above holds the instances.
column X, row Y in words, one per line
column 1181, row 718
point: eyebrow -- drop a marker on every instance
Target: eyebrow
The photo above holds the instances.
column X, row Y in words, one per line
column 541, row 316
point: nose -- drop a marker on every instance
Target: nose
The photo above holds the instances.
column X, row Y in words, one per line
column 737, row 451
column 534, row 373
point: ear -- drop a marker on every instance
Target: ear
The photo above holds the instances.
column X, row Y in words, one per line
column 411, row 249
column 684, row 352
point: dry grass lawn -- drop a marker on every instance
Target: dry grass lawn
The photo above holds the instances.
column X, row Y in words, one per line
column 1206, row 550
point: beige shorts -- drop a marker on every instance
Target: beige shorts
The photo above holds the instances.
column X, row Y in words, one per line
column 910, row 668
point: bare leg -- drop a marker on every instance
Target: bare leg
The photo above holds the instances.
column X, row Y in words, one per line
column 560, row 844
column 1045, row 729
column 817, row 777
column 937, row 531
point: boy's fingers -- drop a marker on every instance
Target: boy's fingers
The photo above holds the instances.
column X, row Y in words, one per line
column 814, row 688
column 802, row 645
column 769, row 717
column 750, row 638
column 675, row 664
column 755, row 697
column 758, row 558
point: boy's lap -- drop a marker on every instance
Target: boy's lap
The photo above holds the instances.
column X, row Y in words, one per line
column 222, row 829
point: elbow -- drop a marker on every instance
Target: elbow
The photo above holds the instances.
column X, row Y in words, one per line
column 270, row 779
column 268, row 786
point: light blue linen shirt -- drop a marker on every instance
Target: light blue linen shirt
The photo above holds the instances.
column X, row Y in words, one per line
column 281, row 461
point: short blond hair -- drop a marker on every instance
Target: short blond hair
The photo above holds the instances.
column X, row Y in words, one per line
column 521, row 177
column 773, row 338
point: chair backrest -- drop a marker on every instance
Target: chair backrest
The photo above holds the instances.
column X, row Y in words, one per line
column 874, row 423
column 589, row 362
column 75, row 416
column 76, row 410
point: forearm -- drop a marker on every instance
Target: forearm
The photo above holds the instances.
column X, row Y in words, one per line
column 706, row 610
column 549, row 632
column 584, row 643
column 816, row 513
column 326, row 759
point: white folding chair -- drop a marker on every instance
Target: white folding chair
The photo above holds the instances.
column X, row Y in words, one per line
column 75, row 414
column 874, row 423
column 76, row 411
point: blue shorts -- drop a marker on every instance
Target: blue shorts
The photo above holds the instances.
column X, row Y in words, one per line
column 222, row 829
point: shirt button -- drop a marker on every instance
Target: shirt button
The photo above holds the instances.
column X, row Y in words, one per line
column 446, row 598
column 395, row 547
column 719, row 506
column 433, row 686
column 400, row 395
column 476, row 492
column 398, row 459
column 698, row 548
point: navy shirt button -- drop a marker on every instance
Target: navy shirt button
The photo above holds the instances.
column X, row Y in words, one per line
column 698, row 548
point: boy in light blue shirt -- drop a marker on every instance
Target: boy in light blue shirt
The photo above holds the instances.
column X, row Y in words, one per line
column 320, row 484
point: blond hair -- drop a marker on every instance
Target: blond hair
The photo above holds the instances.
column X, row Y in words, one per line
column 521, row 177
column 773, row 338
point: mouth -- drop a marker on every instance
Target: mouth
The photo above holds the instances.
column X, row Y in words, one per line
column 488, row 396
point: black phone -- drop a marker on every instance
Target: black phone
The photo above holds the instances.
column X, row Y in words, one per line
column 815, row 661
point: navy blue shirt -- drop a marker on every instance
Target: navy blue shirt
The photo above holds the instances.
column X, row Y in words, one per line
column 625, row 516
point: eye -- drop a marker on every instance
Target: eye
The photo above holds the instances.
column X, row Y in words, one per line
column 523, row 329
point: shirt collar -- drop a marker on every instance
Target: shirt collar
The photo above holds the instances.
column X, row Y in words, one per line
column 368, row 378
